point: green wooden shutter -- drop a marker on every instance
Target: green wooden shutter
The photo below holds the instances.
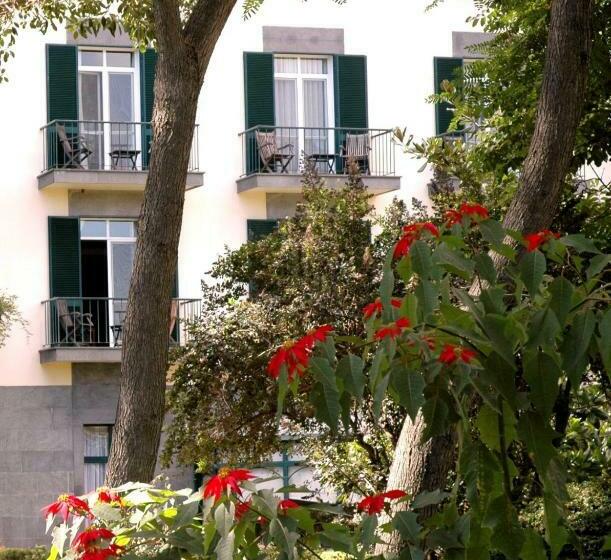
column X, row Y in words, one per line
column 148, row 62
column 258, row 229
column 64, row 257
column 62, row 97
column 350, row 96
column 445, row 68
column 258, row 101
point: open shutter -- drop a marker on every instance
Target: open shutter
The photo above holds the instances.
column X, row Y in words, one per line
column 445, row 68
column 258, row 100
column 62, row 97
column 64, row 257
column 148, row 61
column 350, row 97
column 258, row 229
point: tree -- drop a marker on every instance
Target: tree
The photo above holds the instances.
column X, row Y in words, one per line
column 9, row 316
column 184, row 34
column 310, row 271
column 543, row 173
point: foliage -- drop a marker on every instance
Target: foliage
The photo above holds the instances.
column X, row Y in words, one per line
column 36, row 553
column 9, row 315
column 321, row 266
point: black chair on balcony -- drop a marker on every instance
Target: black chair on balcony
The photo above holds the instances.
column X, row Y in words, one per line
column 271, row 154
column 77, row 327
column 75, row 148
column 357, row 148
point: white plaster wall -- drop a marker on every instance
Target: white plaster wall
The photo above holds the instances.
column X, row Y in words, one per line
column 24, row 270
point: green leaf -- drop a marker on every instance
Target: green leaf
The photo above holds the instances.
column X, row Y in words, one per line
column 556, row 534
column 533, row 547
column 580, row 242
column 496, row 329
column 325, row 393
column 106, row 512
column 350, row 370
column 406, row 522
column 561, row 291
column 368, row 530
column 427, row 297
column 597, row 264
column 420, row 255
column 225, row 546
column 409, row 386
column 604, row 340
column 284, row 539
column 223, row 519
column 543, row 329
column 379, row 394
column 432, row 498
column 507, row 534
column 576, row 342
column 485, row 267
column 492, row 231
column 488, row 425
column 455, row 260
column 538, row 436
column 435, row 412
column 532, row 268
column 541, row 373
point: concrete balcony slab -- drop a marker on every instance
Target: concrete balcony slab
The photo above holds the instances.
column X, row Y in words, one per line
column 80, row 355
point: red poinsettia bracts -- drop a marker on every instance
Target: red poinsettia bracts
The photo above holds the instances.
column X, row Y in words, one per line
column 295, row 354
column 375, row 308
column 412, row 232
column 375, row 504
column 226, row 478
column 392, row 330
column 65, row 505
column 88, row 543
column 450, row 353
column 476, row 212
column 535, row 240
column 287, row 504
column 242, row 508
column 108, row 496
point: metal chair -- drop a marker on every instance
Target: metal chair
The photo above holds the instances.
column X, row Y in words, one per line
column 357, row 148
column 78, row 327
column 272, row 154
column 75, row 148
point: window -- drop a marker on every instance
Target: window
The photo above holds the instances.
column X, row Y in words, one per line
column 303, row 93
column 97, row 448
column 108, row 105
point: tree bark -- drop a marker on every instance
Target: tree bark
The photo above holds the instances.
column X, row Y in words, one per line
column 418, row 466
column 183, row 56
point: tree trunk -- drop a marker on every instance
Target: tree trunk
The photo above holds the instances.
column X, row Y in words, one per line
column 419, row 466
column 183, row 55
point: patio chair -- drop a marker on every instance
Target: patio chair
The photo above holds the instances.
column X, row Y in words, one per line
column 271, row 154
column 173, row 320
column 75, row 148
column 77, row 327
column 357, row 148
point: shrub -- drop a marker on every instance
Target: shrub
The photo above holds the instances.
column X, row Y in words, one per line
column 36, row 553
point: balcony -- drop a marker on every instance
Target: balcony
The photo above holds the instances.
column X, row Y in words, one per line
column 102, row 155
column 90, row 330
column 273, row 157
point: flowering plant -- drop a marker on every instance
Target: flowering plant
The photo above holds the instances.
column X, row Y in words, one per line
column 483, row 354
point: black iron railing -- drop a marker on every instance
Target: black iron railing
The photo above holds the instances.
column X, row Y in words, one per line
column 73, row 322
column 102, row 146
column 282, row 149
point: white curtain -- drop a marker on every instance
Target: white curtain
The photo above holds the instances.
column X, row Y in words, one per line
column 286, row 116
column 315, row 116
column 96, row 445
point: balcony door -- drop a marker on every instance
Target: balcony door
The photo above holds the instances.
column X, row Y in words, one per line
column 108, row 108
column 303, row 89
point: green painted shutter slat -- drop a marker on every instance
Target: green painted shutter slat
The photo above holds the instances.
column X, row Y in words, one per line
column 148, row 62
column 258, row 229
column 64, row 257
column 258, row 100
column 445, row 68
column 350, row 96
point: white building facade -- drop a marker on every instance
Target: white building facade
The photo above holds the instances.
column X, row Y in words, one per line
column 299, row 79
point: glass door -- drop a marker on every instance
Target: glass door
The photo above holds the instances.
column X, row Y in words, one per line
column 121, row 115
column 90, row 113
column 122, row 263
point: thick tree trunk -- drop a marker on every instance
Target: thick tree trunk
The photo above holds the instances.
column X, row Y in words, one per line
column 183, row 55
column 418, row 466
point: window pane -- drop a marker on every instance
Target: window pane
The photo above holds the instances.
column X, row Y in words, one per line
column 122, row 264
column 96, row 441
column 121, row 228
column 313, row 66
column 93, row 228
column 94, row 476
column 91, row 58
column 285, row 65
column 119, row 59
column 121, row 98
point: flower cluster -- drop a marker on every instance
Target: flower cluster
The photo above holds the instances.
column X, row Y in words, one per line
column 375, row 308
column 535, row 240
column 224, row 479
column 87, row 544
column 108, row 496
column 392, row 330
column 475, row 212
column 373, row 505
column 295, row 354
column 450, row 353
column 410, row 234
column 65, row 505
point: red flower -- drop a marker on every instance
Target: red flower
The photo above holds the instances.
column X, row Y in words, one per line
column 242, row 508
column 66, row 505
column 108, row 496
column 375, row 308
column 375, row 504
column 416, row 229
column 226, row 478
column 392, row 330
column 412, row 232
column 450, row 353
column 319, row 334
column 90, row 537
column 476, row 212
column 535, row 240
column 453, row 217
column 287, row 504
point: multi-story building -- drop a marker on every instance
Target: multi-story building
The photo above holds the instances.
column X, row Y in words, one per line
column 314, row 79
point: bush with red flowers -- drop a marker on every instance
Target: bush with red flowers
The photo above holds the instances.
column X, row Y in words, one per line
column 487, row 363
